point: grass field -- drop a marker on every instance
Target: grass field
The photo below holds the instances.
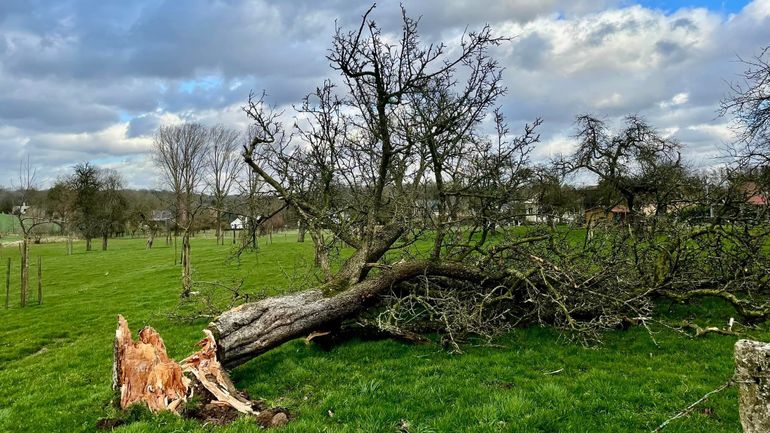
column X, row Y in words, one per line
column 55, row 360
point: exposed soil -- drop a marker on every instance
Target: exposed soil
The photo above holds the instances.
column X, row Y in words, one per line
column 205, row 409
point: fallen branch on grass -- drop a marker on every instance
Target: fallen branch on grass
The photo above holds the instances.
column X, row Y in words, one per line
column 688, row 410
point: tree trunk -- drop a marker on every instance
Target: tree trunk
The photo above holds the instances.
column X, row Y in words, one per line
column 88, row 244
column 321, row 253
column 186, row 277
column 301, row 232
column 252, row 329
column 220, row 236
column 39, row 280
column 104, row 242
column 24, row 270
column 752, row 362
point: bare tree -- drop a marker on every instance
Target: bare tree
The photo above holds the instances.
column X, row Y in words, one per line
column 634, row 161
column 323, row 130
column 749, row 103
column 61, row 199
column 222, row 165
column 381, row 175
column 29, row 217
column 180, row 153
column 112, row 204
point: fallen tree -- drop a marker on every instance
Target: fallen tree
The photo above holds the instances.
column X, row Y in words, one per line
column 401, row 160
column 428, row 201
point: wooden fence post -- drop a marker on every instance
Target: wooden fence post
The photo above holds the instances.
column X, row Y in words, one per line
column 752, row 375
column 7, row 282
column 39, row 280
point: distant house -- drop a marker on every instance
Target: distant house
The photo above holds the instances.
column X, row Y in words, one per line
column 595, row 215
column 754, row 194
column 161, row 215
column 532, row 212
column 20, row 210
column 238, row 223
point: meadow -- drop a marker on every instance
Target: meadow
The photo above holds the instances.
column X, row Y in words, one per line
column 56, row 358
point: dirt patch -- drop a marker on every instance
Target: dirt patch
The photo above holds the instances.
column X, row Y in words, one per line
column 109, row 423
column 206, row 410
column 209, row 411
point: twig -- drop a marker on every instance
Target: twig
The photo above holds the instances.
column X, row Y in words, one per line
column 691, row 407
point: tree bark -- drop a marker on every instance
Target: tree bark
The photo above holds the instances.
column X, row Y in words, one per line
column 186, row 271
column 752, row 362
column 24, row 270
column 88, row 244
column 321, row 253
column 252, row 329
column 104, row 242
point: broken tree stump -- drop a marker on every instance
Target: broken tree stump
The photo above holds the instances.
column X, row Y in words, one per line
column 143, row 372
column 752, row 374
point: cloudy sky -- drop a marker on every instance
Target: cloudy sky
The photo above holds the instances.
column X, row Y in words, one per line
column 90, row 80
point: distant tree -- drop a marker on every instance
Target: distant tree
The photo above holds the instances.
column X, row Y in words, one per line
column 553, row 196
column 86, row 185
column 323, row 130
column 112, row 205
column 635, row 161
column 180, row 153
column 250, row 206
column 6, row 200
column 29, row 217
column 223, row 161
column 61, row 206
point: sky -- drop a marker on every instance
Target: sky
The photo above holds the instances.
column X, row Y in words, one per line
column 91, row 80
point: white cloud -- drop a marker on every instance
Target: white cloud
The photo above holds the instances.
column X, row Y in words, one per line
column 94, row 86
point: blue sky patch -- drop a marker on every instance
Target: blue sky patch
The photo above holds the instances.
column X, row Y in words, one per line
column 724, row 6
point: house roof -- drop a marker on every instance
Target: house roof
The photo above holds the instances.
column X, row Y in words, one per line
column 617, row 209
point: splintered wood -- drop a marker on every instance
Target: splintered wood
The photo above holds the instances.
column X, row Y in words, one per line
column 208, row 371
column 143, row 372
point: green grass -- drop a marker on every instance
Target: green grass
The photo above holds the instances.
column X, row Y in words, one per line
column 55, row 360
column 7, row 223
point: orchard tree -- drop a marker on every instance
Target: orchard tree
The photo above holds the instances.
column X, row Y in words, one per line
column 29, row 217
column 635, row 161
column 381, row 164
column 86, row 184
column 112, row 209
column 223, row 162
column 749, row 104
column 180, row 154
column 61, row 205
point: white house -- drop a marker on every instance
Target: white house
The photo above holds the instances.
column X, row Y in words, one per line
column 238, row 223
column 20, row 210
